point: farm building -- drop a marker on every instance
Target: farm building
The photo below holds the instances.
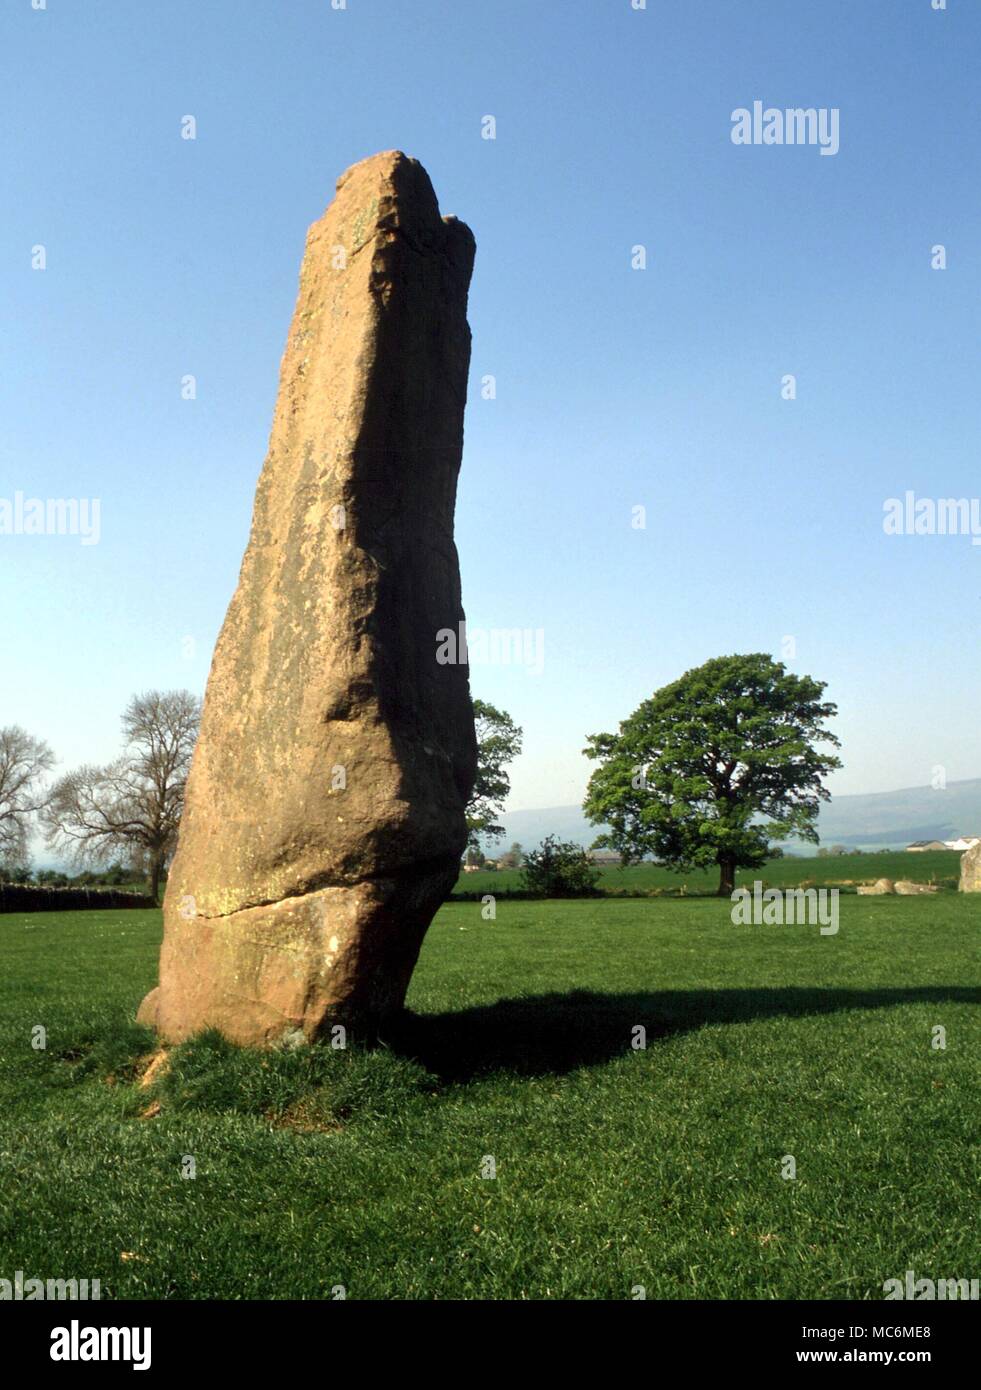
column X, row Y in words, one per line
column 605, row 858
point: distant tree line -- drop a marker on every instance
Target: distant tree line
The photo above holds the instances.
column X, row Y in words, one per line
column 121, row 818
column 711, row 769
column 116, row 876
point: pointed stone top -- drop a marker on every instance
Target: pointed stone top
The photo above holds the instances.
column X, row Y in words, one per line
column 381, row 164
column 391, row 189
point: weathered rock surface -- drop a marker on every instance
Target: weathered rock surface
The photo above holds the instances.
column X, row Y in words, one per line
column 971, row 870
column 906, row 888
column 881, row 885
column 324, row 818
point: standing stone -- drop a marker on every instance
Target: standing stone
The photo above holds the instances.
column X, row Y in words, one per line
column 324, row 818
column 971, row 869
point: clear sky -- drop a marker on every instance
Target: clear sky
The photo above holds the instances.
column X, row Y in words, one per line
column 616, row 388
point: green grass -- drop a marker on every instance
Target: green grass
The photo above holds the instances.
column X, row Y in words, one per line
column 615, row 1167
column 933, row 866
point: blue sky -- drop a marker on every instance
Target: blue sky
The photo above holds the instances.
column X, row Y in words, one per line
column 616, row 388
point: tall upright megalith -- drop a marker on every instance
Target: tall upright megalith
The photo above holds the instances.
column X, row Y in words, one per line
column 324, row 818
column 970, row 881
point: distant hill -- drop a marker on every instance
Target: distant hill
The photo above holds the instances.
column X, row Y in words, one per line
column 876, row 820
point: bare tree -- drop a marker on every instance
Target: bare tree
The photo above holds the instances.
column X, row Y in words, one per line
column 133, row 805
column 24, row 761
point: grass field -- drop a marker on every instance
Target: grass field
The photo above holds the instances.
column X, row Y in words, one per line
column 615, row 1167
column 933, row 866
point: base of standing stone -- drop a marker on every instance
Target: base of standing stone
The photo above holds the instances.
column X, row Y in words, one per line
column 290, row 971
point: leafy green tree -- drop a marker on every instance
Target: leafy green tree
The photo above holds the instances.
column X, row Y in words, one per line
column 713, row 766
column 560, row 869
column 498, row 743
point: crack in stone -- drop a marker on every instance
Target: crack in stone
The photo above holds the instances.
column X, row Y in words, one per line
column 274, row 902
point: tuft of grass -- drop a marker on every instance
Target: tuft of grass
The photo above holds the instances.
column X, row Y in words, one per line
column 212, row 1075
